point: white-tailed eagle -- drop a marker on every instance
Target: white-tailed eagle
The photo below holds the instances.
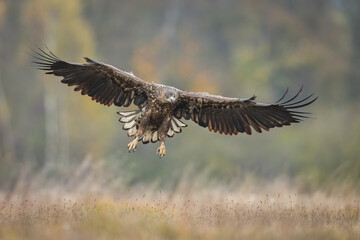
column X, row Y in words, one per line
column 162, row 108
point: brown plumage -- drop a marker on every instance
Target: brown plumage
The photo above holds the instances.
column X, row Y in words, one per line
column 162, row 107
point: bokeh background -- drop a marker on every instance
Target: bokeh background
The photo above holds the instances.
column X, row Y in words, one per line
column 52, row 137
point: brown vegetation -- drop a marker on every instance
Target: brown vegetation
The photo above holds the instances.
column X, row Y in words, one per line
column 215, row 214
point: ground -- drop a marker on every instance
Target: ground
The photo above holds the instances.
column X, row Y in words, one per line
column 195, row 215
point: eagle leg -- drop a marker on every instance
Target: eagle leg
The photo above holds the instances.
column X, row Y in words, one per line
column 161, row 151
column 133, row 144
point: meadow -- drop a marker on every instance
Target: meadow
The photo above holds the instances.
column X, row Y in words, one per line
column 246, row 213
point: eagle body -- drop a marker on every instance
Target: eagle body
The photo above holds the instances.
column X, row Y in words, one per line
column 157, row 114
column 162, row 108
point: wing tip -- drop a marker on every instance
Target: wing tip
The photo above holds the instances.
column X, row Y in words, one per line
column 44, row 60
column 291, row 104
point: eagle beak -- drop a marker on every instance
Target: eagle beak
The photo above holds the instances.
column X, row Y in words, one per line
column 172, row 99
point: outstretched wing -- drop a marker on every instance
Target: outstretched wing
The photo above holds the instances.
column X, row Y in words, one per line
column 103, row 83
column 234, row 115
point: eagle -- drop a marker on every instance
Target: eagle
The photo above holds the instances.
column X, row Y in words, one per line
column 161, row 109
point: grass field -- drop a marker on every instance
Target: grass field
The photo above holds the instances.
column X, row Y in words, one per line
column 208, row 214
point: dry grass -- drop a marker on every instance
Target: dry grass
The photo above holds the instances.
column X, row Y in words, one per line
column 211, row 214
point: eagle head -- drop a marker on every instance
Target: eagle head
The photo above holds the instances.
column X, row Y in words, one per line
column 171, row 96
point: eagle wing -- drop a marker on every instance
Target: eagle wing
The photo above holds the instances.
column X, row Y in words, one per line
column 103, row 83
column 234, row 115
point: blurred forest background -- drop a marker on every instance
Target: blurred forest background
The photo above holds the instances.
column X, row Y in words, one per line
column 51, row 136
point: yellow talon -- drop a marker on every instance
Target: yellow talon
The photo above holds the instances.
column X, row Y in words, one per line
column 161, row 151
column 133, row 144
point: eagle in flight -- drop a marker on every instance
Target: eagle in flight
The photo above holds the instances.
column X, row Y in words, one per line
column 161, row 108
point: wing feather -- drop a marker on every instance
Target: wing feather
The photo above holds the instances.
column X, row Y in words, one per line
column 238, row 124
column 228, row 123
column 222, row 123
column 219, row 124
column 234, row 115
column 103, row 83
column 213, row 121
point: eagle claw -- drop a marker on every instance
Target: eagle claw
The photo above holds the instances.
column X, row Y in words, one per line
column 133, row 145
column 161, row 151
